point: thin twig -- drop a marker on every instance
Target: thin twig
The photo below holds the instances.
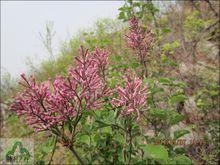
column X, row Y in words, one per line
column 130, row 143
column 54, row 147
column 76, row 155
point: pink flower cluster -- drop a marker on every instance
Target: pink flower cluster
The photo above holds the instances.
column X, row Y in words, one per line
column 48, row 104
column 138, row 39
column 101, row 58
column 132, row 98
column 135, row 37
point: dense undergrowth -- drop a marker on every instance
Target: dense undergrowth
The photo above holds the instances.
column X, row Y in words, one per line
column 174, row 121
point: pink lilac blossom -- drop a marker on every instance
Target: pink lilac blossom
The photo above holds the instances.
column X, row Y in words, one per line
column 132, row 98
column 139, row 39
column 101, row 57
column 29, row 104
column 86, row 75
column 48, row 104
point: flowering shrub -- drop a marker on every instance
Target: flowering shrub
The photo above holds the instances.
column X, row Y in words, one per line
column 132, row 102
column 96, row 123
column 51, row 105
column 46, row 105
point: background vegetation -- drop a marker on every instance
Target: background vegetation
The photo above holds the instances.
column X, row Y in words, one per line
column 183, row 80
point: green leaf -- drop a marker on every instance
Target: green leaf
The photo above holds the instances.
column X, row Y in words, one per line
column 155, row 90
column 172, row 63
column 121, row 15
column 116, row 112
column 9, row 154
column 180, row 133
column 155, row 152
column 148, row 81
column 47, row 146
column 165, row 81
column 107, row 130
column 167, row 47
column 166, row 30
column 90, row 113
column 135, row 128
column 84, row 139
column 170, row 116
column 160, row 113
column 121, row 9
column 134, row 65
column 175, row 117
column 110, row 116
column 182, row 160
column 180, row 84
column 129, row 1
column 40, row 162
column 175, row 44
column 118, row 137
column 214, row 93
column 102, row 124
column 180, row 150
column 177, row 98
column 136, row 4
